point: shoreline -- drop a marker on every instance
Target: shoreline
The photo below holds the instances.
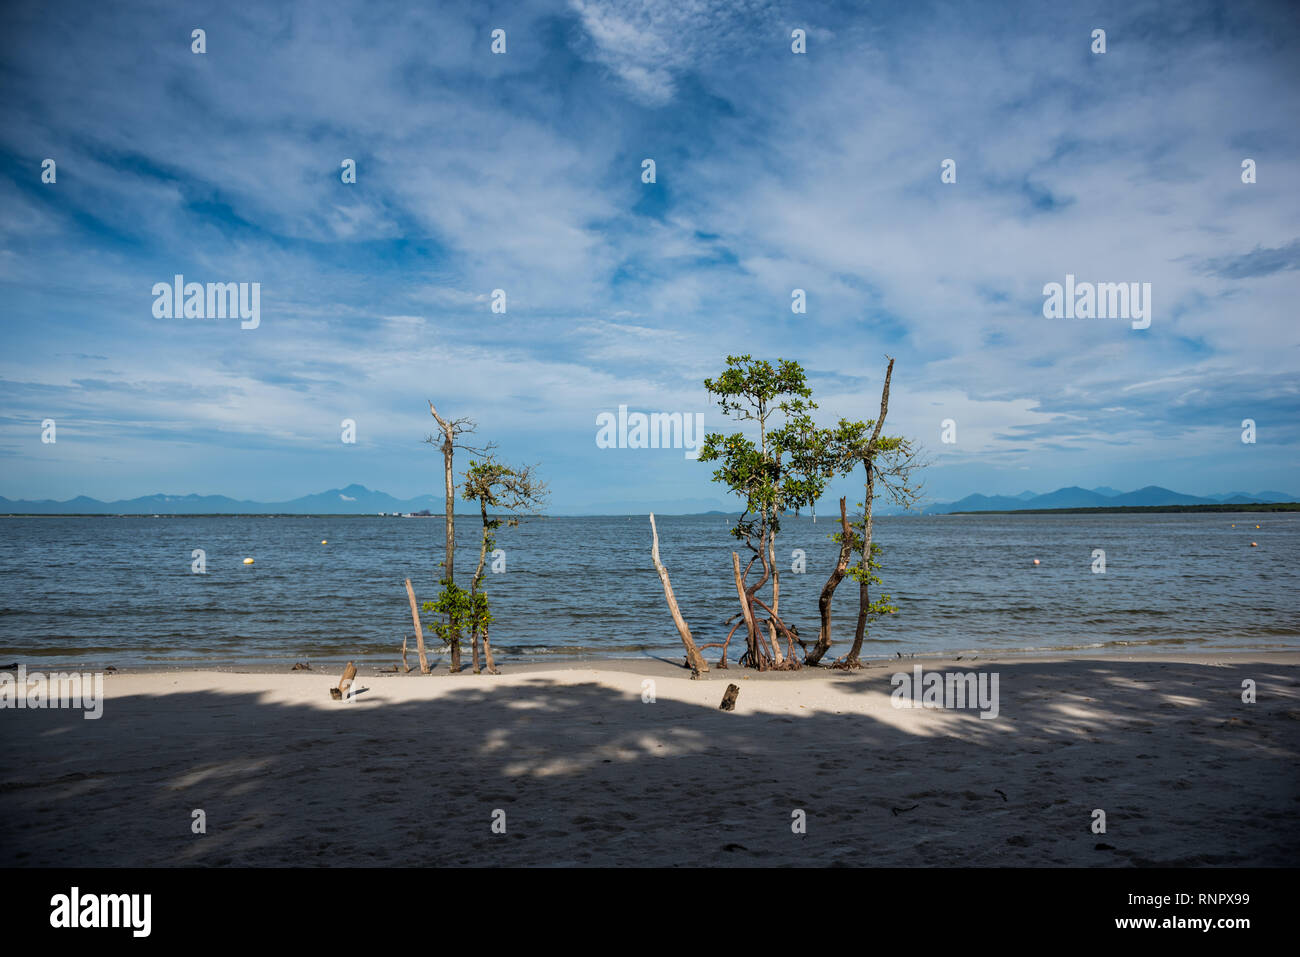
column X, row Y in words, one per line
column 663, row 664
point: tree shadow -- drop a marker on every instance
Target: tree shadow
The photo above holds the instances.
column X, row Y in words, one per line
column 590, row 774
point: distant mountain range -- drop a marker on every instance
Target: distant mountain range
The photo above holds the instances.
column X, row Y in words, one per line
column 359, row 500
column 1103, row 497
column 353, row 500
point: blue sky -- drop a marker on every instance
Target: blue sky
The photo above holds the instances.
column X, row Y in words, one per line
column 522, row 172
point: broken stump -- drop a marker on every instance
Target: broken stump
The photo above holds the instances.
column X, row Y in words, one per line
column 729, row 699
column 349, row 673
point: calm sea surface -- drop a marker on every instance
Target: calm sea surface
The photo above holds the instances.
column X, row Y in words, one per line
column 120, row 590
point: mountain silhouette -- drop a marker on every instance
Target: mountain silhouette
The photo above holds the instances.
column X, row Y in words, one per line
column 1103, row 497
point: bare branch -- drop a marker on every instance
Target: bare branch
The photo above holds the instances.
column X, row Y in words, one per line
column 693, row 656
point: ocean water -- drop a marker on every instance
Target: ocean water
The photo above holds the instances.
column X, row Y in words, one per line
column 94, row 591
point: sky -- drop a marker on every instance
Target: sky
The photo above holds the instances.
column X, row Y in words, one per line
column 523, row 171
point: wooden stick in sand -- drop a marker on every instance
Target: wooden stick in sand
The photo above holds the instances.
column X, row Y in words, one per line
column 693, row 656
column 419, row 632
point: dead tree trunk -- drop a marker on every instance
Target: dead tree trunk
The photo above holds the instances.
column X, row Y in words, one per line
column 693, row 656
column 476, row 580
column 828, row 590
column 851, row 660
column 754, row 654
column 487, row 653
column 448, row 453
column 419, row 632
column 778, row 658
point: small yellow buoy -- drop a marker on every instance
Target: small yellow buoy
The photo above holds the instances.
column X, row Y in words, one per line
column 248, row 561
column 324, row 542
column 1035, row 561
column 1257, row 526
column 1234, row 526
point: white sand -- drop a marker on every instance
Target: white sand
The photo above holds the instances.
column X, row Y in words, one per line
column 410, row 774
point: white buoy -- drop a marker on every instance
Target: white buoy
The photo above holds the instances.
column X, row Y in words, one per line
column 248, row 561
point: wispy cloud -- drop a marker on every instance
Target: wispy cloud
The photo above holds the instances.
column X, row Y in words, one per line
column 1258, row 262
column 522, row 172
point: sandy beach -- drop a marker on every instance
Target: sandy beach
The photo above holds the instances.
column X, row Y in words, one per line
column 588, row 772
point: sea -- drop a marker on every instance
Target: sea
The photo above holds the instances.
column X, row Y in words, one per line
column 130, row 591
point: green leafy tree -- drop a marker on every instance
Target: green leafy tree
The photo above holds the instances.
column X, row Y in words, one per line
column 786, row 467
column 453, row 605
column 497, row 488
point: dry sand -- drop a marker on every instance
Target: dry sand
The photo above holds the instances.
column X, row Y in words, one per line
column 589, row 774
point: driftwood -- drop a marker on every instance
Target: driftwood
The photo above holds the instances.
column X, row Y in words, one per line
column 349, row 673
column 745, row 608
column 693, row 656
column 405, row 667
column 419, row 632
column 729, row 699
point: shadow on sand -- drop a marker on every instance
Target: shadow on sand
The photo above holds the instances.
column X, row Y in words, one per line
column 586, row 774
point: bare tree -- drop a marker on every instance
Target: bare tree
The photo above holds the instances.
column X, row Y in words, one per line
column 828, row 590
column 891, row 461
column 451, row 431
